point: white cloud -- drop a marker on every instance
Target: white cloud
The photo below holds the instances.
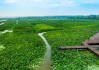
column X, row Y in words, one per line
column 87, row 1
column 92, row 1
column 62, row 2
column 47, row 7
column 50, row 3
column 66, row 2
column 42, row 2
column 11, row 1
column 25, row 1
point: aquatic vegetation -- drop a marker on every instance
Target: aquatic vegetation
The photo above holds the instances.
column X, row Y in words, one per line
column 25, row 50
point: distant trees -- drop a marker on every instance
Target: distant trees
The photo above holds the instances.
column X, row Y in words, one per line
column 84, row 17
column 93, row 17
column 96, row 17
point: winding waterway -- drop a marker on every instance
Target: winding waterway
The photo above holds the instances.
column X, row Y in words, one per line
column 5, row 31
column 46, row 63
column 1, row 23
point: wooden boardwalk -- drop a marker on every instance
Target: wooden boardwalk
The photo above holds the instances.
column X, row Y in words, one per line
column 94, row 40
column 92, row 44
column 72, row 47
column 93, row 49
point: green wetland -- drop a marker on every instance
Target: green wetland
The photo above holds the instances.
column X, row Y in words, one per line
column 23, row 49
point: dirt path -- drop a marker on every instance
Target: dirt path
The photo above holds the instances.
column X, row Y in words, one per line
column 46, row 64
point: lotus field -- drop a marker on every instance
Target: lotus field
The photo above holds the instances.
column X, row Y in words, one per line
column 22, row 49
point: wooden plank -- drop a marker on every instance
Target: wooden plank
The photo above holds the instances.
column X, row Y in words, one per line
column 93, row 49
column 85, row 42
column 72, row 47
column 94, row 46
column 94, row 40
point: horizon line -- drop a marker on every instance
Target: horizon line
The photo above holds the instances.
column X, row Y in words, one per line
column 46, row 15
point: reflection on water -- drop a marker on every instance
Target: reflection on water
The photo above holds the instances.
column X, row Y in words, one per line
column 93, row 67
column 17, row 22
column 2, row 20
column 1, row 47
column 1, row 23
column 46, row 64
column 5, row 31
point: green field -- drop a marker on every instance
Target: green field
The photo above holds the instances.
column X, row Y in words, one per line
column 25, row 50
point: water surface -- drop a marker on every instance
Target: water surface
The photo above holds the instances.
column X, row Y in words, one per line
column 46, row 63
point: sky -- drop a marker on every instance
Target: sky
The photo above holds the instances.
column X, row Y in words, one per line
column 48, row 7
